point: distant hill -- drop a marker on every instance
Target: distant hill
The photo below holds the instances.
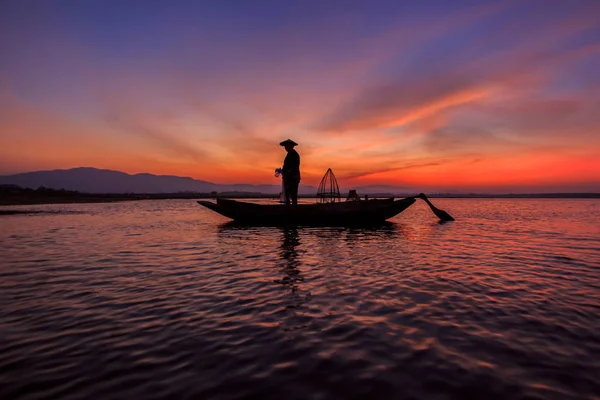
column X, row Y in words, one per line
column 93, row 180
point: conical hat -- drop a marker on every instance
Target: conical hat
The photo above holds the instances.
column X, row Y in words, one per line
column 288, row 141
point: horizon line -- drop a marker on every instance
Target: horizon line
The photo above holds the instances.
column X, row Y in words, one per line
column 400, row 189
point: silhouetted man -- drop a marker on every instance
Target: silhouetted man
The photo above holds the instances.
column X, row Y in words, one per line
column 291, row 171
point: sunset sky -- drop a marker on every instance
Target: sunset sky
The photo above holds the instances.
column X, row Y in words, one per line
column 487, row 96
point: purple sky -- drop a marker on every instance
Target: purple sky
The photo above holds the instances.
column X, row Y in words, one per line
column 462, row 95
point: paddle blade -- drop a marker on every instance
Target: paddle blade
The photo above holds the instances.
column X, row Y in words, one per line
column 443, row 215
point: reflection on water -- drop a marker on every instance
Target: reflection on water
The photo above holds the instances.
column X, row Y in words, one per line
column 165, row 299
column 289, row 259
column 289, row 266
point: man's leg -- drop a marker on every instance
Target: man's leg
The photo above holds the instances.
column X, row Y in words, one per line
column 288, row 192
column 294, row 190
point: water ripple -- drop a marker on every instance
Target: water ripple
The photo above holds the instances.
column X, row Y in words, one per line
column 163, row 299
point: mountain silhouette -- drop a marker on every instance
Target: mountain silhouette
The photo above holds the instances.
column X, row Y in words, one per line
column 93, row 180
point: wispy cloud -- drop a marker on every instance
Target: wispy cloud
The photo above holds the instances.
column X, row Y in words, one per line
column 462, row 81
column 163, row 139
column 363, row 174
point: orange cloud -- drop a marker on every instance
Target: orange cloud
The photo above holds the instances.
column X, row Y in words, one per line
column 509, row 171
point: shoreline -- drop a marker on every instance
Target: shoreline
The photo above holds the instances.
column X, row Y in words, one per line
column 39, row 202
column 20, row 212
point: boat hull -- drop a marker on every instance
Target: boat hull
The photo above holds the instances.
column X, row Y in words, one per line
column 341, row 213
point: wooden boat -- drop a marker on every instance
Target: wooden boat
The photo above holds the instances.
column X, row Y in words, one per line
column 332, row 213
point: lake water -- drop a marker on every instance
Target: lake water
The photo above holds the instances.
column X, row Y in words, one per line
column 165, row 299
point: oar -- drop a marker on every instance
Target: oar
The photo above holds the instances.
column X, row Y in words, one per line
column 441, row 214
